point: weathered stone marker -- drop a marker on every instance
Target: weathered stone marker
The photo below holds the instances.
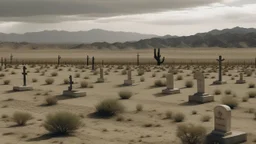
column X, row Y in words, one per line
column 170, row 85
column 220, row 81
column 70, row 83
column 93, row 63
column 241, row 80
column 87, row 61
column 222, row 133
column 73, row 93
column 101, row 78
column 11, row 58
column 138, row 59
column 200, row 96
column 59, row 57
column 24, row 87
column 129, row 80
column 5, row 63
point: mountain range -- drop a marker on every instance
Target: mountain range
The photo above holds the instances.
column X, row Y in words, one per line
column 237, row 37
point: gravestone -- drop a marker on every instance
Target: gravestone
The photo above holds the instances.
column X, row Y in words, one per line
column 222, row 133
column 101, row 78
column 241, row 79
column 129, row 80
column 200, row 96
column 71, row 92
column 220, row 81
column 24, row 87
column 170, row 85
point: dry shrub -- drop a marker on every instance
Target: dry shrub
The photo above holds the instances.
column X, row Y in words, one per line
column 251, row 85
column 230, row 101
column 65, row 81
column 179, row 77
column 168, row 114
column 109, row 107
column 228, row 92
column 189, row 83
column 51, row 100
column 252, row 94
column 84, row 84
column 139, row 107
column 205, row 118
column 191, row 134
column 7, row 82
column 142, row 79
column 34, row 80
column 21, row 118
column 154, row 75
column 125, row 94
column 159, row 83
column 62, row 123
column 217, row 92
column 54, row 74
column 178, row 117
column 77, row 75
column 245, row 99
column 141, row 72
column 49, row 81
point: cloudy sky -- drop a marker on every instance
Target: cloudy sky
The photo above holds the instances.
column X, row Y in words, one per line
column 161, row 17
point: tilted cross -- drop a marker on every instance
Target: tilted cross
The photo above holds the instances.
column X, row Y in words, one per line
column 70, row 83
column 24, row 76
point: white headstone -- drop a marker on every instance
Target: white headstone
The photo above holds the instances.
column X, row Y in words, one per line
column 241, row 76
column 200, row 82
column 169, row 81
column 222, row 119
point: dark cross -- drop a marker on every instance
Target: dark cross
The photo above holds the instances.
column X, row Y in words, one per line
column 220, row 60
column 59, row 60
column 70, row 83
column 93, row 62
column 11, row 57
column 24, row 76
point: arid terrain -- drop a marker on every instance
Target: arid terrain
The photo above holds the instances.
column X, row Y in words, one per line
column 149, row 126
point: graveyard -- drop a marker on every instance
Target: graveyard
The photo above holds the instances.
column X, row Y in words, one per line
column 159, row 90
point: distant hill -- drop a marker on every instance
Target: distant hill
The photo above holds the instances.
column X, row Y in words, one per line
column 227, row 38
column 59, row 37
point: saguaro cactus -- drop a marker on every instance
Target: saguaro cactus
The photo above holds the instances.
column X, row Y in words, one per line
column 93, row 63
column 157, row 56
column 220, row 60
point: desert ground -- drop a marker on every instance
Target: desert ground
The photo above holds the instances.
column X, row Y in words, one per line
column 149, row 126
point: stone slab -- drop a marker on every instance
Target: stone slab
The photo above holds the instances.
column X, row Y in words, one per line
column 171, row 91
column 128, row 82
column 74, row 93
column 201, row 98
column 236, row 137
column 22, row 88
column 219, row 82
column 240, row 81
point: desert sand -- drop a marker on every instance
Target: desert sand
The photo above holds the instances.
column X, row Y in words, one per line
column 132, row 129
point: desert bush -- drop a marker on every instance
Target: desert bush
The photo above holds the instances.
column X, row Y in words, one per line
column 168, row 114
column 125, row 94
column 142, row 79
column 217, row 91
column 7, row 82
column 13, row 72
column 77, row 75
column 191, row 134
column 164, row 75
column 227, row 92
column 189, row 83
column 2, row 75
column 21, row 118
column 139, row 107
column 62, row 123
column 95, row 72
column 252, row 94
column 66, row 81
column 245, row 99
column 230, row 101
column 84, row 84
column 109, row 107
column 159, row 83
column 179, row 77
column 140, row 72
column 251, row 85
column 194, row 112
column 120, row 118
column 178, row 117
column 54, row 74
column 86, row 77
column 153, row 74
column 90, row 86
column 34, row 80
column 49, row 81
column 205, row 118
column 51, row 100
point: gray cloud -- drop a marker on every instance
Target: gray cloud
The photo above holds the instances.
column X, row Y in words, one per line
column 51, row 10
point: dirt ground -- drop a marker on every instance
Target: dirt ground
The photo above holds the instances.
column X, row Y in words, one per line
column 132, row 129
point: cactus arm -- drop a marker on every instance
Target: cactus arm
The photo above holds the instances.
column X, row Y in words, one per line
column 163, row 60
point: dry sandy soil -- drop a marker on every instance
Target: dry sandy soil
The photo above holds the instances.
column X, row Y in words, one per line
column 110, row 131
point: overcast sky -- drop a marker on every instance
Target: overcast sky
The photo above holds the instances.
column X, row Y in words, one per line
column 161, row 17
